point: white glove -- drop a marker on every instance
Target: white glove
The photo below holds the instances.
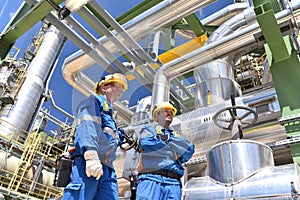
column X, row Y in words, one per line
column 93, row 164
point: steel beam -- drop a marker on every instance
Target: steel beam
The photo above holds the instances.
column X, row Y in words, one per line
column 26, row 17
column 285, row 69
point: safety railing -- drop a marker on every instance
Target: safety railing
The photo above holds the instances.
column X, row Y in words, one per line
column 19, row 155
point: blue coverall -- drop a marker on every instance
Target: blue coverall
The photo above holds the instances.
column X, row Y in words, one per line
column 89, row 136
column 158, row 155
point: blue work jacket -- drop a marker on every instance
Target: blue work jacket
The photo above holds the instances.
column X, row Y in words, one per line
column 158, row 154
column 93, row 114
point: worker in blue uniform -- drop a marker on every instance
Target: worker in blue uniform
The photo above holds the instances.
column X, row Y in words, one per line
column 93, row 176
column 163, row 151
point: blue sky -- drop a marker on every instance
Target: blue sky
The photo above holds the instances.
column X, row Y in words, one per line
column 62, row 91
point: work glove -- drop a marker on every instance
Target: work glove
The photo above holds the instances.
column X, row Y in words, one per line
column 93, row 164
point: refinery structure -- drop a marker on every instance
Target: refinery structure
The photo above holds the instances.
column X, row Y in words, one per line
column 231, row 75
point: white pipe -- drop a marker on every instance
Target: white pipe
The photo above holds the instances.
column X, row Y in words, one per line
column 161, row 15
column 224, row 12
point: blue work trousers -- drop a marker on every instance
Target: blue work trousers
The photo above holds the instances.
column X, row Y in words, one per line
column 82, row 187
column 160, row 189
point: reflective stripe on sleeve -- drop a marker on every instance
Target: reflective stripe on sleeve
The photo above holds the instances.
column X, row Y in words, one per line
column 89, row 118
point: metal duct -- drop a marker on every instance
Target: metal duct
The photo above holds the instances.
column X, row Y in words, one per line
column 229, row 45
column 21, row 112
column 243, row 169
column 281, row 182
column 215, row 80
column 233, row 161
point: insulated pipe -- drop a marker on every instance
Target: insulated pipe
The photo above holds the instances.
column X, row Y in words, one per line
column 115, row 40
column 173, row 10
column 229, row 45
column 218, row 17
column 216, row 77
column 224, row 12
column 233, row 24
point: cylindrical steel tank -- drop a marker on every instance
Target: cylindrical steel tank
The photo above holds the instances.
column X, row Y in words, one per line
column 232, row 161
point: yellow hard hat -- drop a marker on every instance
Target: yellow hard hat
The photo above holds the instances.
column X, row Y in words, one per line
column 113, row 78
column 163, row 105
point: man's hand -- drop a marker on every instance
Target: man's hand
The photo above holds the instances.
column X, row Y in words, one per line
column 93, row 164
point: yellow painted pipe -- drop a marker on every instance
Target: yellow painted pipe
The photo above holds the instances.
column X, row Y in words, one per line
column 176, row 52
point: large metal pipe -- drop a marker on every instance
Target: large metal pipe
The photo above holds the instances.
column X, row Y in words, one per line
column 229, row 10
column 20, row 113
column 243, row 169
column 280, row 182
column 229, row 45
column 155, row 18
column 106, row 53
column 216, row 77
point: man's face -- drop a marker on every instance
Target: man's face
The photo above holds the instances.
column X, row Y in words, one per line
column 164, row 116
column 113, row 92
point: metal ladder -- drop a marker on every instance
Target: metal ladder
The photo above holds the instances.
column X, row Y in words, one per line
column 31, row 146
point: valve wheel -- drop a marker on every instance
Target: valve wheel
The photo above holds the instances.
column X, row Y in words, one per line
column 227, row 123
column 129, row 142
